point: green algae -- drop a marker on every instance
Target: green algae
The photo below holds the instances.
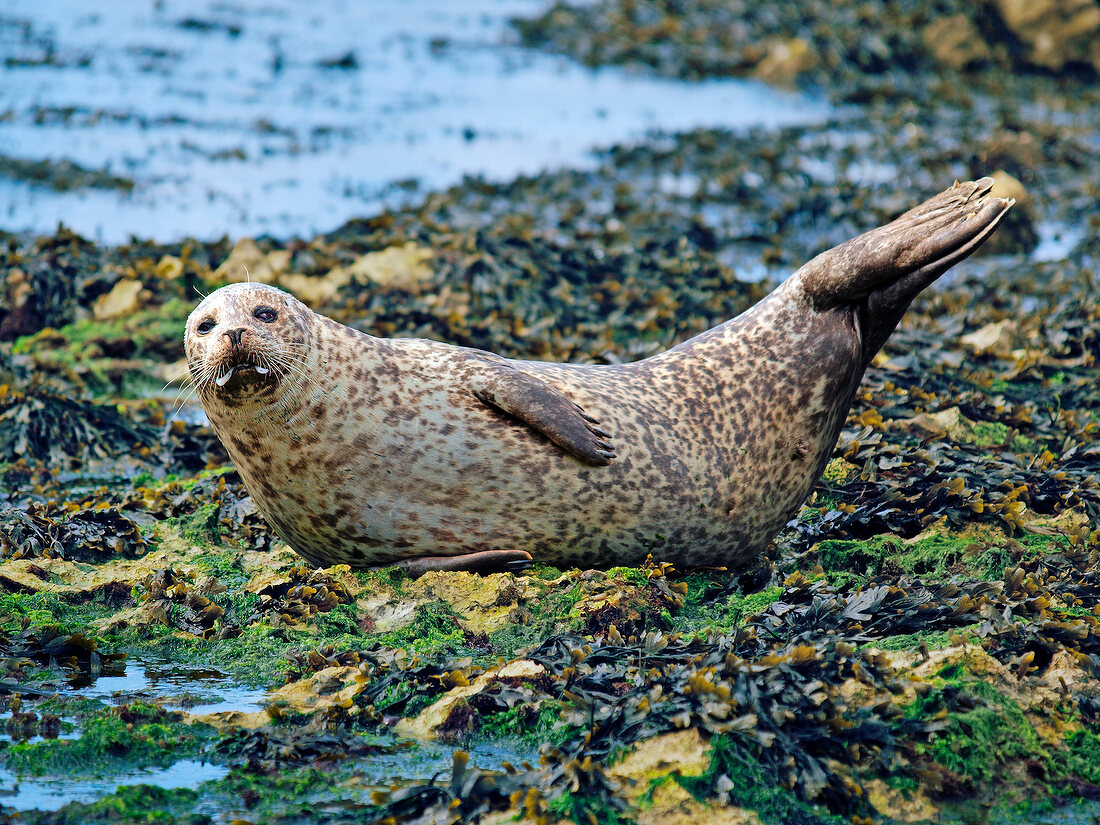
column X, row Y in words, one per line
column 272, row 794
column 984, row 733
column 526, row 723
column 580, row 807
column 540, row 619
column 135, row 736
column 979, row 741
column 47, row 609
column 702, row 613
column 932, row 556
column 129, row 805
column 96, row 348
column 256, row 658
column 932, row 640
column 435, row 628
column 735, row 775
column 1081, row 757
column 201, row 527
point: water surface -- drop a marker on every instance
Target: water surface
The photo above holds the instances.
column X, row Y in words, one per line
column 278, row 117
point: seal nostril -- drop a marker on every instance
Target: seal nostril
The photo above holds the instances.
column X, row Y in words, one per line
column 235, row 335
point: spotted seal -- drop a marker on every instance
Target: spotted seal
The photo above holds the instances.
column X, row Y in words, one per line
column 372, row 451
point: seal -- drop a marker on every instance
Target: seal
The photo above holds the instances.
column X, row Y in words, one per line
column 370, row 451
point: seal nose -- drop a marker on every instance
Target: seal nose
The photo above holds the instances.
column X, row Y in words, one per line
column 235, row 336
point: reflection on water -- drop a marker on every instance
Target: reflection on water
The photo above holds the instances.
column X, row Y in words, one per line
column 175, row 687
column 287, row 118
column 51, row 793
column 172, row 686
column 199, row 691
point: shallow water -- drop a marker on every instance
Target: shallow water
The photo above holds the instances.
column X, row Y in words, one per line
column 201, row 690
column 228, row 121
column 176, row 688
column 49, row 793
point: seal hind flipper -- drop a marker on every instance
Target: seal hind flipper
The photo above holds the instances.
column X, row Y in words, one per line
column 483, row 561
column 543, row 408
column 909, row 252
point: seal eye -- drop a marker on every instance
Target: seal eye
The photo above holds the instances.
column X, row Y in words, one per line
column 205, row 327
column 265, row 314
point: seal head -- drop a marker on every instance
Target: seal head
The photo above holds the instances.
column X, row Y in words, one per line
column 246, row 345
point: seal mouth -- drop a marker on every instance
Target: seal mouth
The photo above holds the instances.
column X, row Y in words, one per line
column 242, row 371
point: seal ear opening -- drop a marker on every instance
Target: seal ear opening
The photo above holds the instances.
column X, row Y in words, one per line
column 899, row 259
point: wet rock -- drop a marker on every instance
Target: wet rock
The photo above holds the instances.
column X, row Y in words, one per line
column 246, row 262
column 428, row 723
column 125, row 298
column 328, row 689
column 1060, row 35
column 954, row 40
column 785, row 62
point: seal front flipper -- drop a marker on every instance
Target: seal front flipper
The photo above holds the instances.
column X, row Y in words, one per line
column 543, row 408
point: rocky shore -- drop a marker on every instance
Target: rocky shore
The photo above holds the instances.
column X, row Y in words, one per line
column 920, row 645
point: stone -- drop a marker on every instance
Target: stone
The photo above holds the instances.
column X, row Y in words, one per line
column 125, row 298
column 954, row 41
column 1055, row 34
column 246, row 262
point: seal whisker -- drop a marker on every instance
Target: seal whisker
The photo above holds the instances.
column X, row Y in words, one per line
column 179, row 408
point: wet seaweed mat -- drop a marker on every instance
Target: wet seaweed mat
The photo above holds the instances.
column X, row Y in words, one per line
column 920, row 645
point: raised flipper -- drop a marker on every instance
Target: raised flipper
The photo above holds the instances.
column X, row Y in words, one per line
column 543, row 408
column 916, row 248
column 881, row 271
column 484, row 561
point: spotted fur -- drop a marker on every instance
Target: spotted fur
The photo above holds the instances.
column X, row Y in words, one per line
column 369, row 451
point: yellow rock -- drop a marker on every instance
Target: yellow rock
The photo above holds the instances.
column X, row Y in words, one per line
column 683, row 751
column 315, row 291
column 245, row 263
column 169, row 268
column 174, row 373
column 230, row 720
column 279, row 260
column 1008, row 186
column 785, row 61
column 483, row 603
column 328, row 688
column 82, row 581
column 950, row 421
column 125, row 298
column 954, row 41
column 279, row 558
column 912, row 807
column 996, row 338
column 1055, row 33
column 425, row 725
column 840, row 471
column 387, row 610
column 397, row 267
column 672, row 805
